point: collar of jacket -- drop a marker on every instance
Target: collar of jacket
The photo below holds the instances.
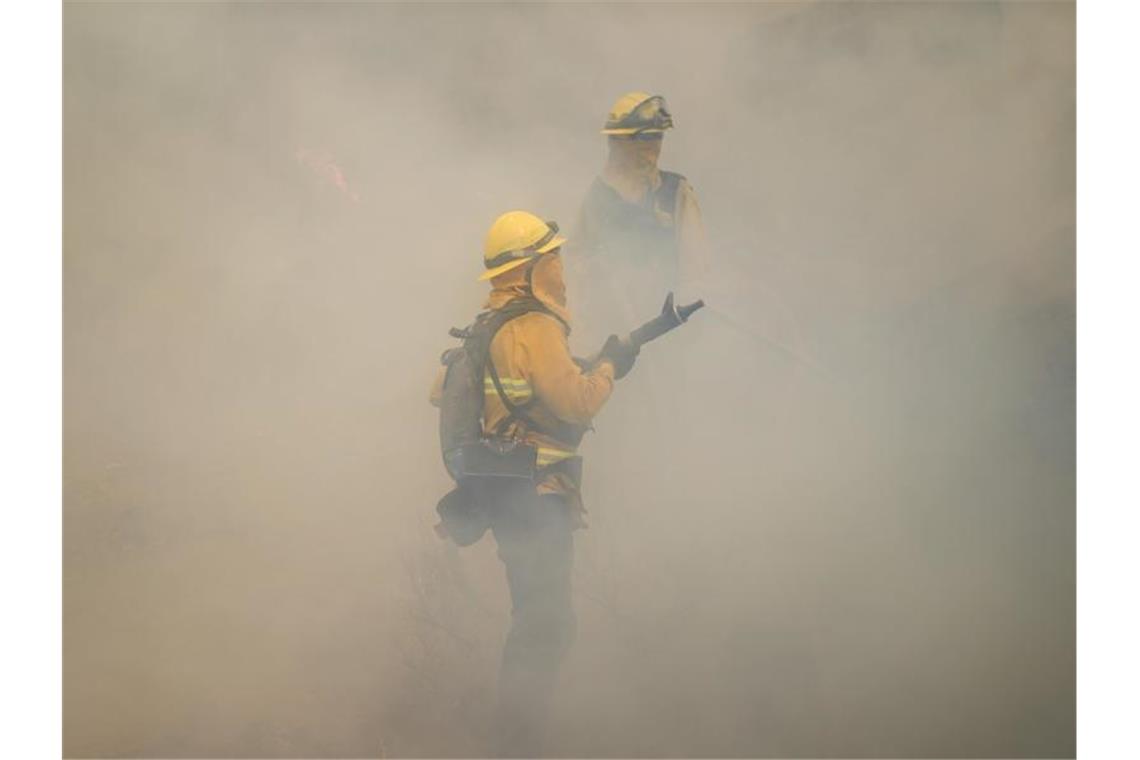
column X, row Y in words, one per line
column 545, row 284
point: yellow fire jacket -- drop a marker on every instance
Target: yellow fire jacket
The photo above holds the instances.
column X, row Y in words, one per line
column 533, row 360
column 532, row 357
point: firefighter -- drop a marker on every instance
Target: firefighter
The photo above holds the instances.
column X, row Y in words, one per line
column 536, row 396
column 640, row 232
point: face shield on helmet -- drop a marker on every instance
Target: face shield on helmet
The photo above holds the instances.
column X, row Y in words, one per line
column 639, row 116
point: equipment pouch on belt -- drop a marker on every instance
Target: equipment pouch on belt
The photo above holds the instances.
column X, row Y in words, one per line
column 494, row 458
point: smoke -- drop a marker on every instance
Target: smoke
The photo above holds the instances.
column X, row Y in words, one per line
column 859, row 546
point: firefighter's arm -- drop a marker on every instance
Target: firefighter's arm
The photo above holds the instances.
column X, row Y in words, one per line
column 571, row 394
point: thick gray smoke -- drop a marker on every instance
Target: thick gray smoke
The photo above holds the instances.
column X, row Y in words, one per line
column 273, row 213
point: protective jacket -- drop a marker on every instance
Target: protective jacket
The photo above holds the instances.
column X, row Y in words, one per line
column 640, row 235
column 532, row 358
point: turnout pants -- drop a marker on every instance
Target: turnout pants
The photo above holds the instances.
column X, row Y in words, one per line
column 534, row 535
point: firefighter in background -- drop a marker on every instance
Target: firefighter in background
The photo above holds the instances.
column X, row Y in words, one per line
column 535, row 398
column 639, row 233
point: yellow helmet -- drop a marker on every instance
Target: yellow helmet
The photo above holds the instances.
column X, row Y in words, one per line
column 638, row 113
column 515, row 238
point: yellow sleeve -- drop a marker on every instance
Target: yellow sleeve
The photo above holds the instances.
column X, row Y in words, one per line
column 694, row 248
column 572, row 395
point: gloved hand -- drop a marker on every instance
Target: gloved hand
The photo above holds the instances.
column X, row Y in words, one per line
column 621, row 353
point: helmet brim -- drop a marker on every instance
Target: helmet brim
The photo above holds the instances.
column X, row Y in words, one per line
column 555, row 243
column 627, row 131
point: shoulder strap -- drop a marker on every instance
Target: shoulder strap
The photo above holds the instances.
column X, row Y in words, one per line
column 514, row 411
column 563, row 431
column 494, row 322
column 667, row 193
column 477, row 341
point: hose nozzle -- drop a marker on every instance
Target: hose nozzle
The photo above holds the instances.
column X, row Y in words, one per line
column 671, row 316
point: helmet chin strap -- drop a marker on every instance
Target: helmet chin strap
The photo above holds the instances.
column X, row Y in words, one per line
column 530, row 275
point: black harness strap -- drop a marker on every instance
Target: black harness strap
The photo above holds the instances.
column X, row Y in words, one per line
column 517, row 412
column 514, row 309
column 666, row 195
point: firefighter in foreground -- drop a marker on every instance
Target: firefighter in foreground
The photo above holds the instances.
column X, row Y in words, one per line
column 517, row 470
column 639, row 232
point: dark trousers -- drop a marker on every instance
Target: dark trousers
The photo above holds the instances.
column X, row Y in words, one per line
column 534, row 534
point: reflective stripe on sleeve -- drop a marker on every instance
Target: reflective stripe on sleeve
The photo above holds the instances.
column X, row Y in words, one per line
column 516, row 390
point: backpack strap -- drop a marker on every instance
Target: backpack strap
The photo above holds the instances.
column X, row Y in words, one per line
column 517, row 412
column 667, row 193
column 494, row 322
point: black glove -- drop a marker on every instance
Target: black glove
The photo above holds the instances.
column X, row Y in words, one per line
column 622, row 353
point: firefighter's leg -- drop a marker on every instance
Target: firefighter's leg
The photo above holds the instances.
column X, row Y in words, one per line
column 535, row 544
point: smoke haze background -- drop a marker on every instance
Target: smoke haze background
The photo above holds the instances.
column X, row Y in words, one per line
column 869, row 556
